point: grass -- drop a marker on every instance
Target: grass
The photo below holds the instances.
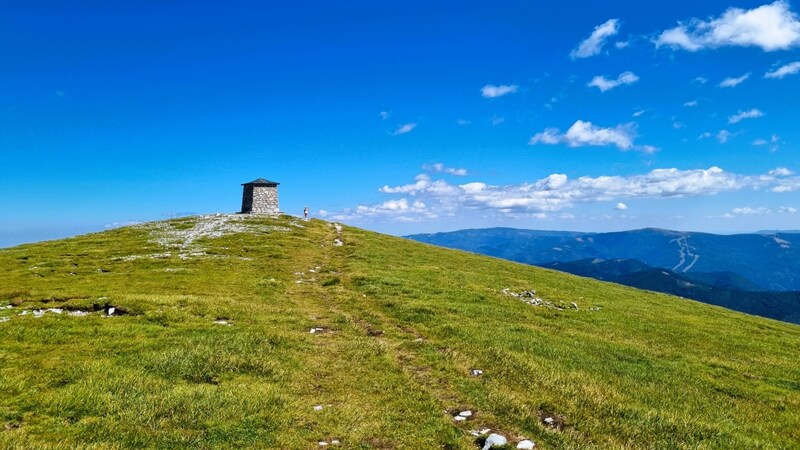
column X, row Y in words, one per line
column 402, row 324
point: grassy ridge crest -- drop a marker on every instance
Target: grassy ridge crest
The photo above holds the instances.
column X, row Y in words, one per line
column 210, row 347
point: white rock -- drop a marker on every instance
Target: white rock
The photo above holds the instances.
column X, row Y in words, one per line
column 476, row 372
column 38, row 313
column 465, row 414
column 494, row 440
column 78, row 313
column 549, row 420
column 335, row 442
column 323, row 443
column 526, row 445
column 4, row 319
column 111, row 311
column 221, row 322
column 485, row 431
column 338, row 242
column 459, row 418
column 7, row 307
column 55, row 310
column 318, row 408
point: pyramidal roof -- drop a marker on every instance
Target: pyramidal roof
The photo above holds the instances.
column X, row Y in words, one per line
column 261, row 182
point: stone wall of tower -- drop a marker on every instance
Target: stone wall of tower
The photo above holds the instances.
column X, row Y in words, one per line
column 260, row 200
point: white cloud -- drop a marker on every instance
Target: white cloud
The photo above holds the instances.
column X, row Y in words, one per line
column 604, row 84
column 700, row 80
column 583, row 133
column 770, row 27
column 704, row 135
column 723, row 136
column 690, row 104
column 787, row 69
column 787, row 210
column 441, row 168
column 594, row 43
column 639, row 112
column 403, row 129
column 621, row 207
column 622, row 44
column 550, row 136
column 497, row 120
column 557, row 192
column 384, row 115
column 780, row 172
column 734, row 81
column 462, row 122
column 748, row 211
column 492, row 91
column 742, row 115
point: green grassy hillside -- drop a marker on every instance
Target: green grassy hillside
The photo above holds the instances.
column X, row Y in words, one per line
column 398, row 328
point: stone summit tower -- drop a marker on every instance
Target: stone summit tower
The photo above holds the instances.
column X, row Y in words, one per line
column 260, row 197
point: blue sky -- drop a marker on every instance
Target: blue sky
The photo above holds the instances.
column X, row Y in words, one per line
column 402, row 118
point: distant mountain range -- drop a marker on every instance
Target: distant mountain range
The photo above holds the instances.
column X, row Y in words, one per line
column 771, row 261
column 725, row 289
column 753, row 273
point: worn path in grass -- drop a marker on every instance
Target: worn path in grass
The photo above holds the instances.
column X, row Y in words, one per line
column 401, row 325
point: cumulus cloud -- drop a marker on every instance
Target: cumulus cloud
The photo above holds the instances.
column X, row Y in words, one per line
column 593, row 45
column 782, row 71
column 780, row 172
column 770, row 27
column 772, row 142
column 492, row 91
column 441, row 168
column 723, row 136
column 690, row 103
column 700, row 80
column 604, row 84
column 734, row 81
column 428, row 198
column 787, row 210
column 583, row 133
column 403, row 129
column 742, row 115
column 749, row 211
column 384, row 115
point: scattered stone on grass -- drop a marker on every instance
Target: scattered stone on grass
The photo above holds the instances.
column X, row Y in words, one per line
column 526, row 445
column 532, row 299
column 481, row 432
column 476, row 372
column 4, row 319
column 552, row 420
column 494, row 440
column 7, row 307
column 78, row 313
column 222, row 322
column 318, row 407
column 338, row 228
column 465, row 413
column 338, row 242
column 459, row 418
column 316, row 330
